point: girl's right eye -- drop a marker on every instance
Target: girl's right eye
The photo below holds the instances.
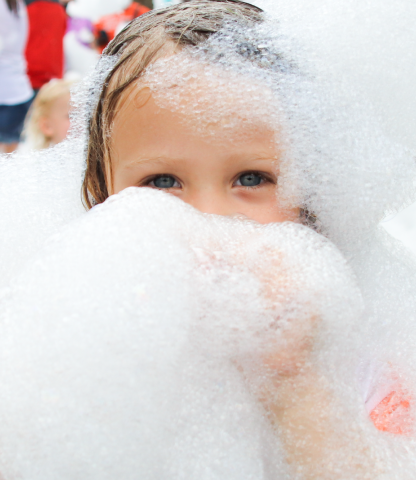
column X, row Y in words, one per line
column 164, row 181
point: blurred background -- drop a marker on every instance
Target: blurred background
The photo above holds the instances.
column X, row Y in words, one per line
column 46, row 46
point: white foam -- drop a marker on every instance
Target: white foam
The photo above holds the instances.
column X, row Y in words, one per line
column 120, row 360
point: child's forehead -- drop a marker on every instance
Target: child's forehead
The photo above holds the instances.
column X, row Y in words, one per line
column 148, row 121
column 208, row 96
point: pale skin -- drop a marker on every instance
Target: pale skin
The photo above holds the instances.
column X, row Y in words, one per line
column 154, row 148
column 8, row 147
column 55, row 124
column 200, row 171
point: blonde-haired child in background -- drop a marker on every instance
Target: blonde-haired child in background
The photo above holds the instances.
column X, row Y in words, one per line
column 48, row 120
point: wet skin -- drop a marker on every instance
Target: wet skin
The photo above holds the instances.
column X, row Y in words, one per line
column 224, row 174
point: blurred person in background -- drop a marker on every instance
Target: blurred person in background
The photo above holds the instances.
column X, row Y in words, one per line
column 15, row 91
column 45, row 49
column 108, row 26
column 48, row 121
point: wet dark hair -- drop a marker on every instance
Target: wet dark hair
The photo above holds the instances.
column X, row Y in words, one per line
column 309, row 219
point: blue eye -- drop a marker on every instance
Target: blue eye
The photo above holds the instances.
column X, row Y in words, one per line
column 165, row 181
column 249, row 180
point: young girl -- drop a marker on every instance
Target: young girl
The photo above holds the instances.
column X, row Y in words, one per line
column 48, row 122
column 140, row 137
column 189, row 103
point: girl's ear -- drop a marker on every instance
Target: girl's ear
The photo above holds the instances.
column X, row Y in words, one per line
column 45, row 126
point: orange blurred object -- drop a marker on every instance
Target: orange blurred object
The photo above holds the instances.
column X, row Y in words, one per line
column 108, row 26
column 394, row 414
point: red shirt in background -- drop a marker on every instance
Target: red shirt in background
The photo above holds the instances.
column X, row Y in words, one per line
column 45, row 50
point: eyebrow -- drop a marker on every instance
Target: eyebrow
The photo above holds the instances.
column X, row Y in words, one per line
column 155, row 161
column 161, row 160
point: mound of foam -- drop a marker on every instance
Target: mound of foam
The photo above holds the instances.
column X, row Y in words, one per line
column 40, row 192
column 123, row 344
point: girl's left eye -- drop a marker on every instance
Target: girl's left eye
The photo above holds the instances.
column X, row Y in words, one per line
column 164, row 181
column 250, row 179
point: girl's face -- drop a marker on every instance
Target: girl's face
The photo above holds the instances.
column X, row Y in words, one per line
column 55, row 125
column 219, row 174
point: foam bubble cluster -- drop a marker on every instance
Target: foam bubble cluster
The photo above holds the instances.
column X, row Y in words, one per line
column 134, row 350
